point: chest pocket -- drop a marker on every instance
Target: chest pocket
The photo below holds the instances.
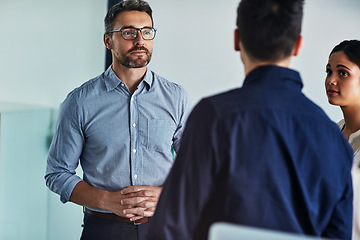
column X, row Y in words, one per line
column 160, row 134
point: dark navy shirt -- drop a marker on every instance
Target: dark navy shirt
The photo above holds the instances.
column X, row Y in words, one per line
column 262, row 155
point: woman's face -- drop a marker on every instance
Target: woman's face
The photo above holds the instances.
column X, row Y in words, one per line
column 342, row 81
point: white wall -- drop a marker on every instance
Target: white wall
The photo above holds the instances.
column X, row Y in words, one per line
column 194, row 45
column 49, row 47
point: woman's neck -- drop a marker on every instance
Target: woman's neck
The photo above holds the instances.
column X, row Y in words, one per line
column 352, row 120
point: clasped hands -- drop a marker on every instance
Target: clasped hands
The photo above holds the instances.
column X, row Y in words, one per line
column 135, row 202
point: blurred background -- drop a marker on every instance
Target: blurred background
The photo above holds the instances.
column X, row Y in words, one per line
column 48, row 47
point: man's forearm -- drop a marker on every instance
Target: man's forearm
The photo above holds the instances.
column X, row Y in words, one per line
column 88, row 196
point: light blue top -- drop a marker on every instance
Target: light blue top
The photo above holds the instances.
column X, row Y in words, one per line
column 121, row 139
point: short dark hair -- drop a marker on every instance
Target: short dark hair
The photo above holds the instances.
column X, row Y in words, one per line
column 351, row 49
column 269, row 29
column 126, row 6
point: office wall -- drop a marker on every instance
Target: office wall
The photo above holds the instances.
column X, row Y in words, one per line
column 49, row 47
column 195, row 44
column 23, row 151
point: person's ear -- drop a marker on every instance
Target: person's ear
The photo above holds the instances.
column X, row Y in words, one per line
column 107, row 41
column 298, row 45
column 237, row 40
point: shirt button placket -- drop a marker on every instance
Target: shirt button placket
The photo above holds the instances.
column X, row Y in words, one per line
column 133, row 139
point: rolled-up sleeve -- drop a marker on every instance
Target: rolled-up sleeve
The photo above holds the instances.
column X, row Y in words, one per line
column 65, row 151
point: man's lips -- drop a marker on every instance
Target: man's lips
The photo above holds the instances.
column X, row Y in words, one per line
column 138, row 52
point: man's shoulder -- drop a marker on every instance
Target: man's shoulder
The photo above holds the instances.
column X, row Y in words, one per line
column 240, row 102
column 88, row 88
column 223, row 101
column 166, row 83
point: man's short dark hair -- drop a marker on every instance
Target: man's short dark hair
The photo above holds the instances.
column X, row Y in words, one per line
column 269, row 29
column 126, row 6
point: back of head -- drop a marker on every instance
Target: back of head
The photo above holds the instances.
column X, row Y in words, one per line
column 126, row 6
column 351, row 49
column 269, row 29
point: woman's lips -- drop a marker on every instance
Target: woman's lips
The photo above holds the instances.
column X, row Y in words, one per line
column 332, row 92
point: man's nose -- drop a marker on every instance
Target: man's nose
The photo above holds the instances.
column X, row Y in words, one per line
column 139, row 39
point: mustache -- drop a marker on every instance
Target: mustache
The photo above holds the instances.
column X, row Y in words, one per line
column 137, row 48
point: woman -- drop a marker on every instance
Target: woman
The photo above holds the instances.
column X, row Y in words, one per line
column 343, row 89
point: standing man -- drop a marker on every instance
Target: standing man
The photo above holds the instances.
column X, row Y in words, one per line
column 262, row 155
column 121, row 126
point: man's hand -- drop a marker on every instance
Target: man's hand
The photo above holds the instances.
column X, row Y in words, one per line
column 140, row 201
column 134, row 202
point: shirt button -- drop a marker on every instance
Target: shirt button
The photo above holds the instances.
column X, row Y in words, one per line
column 134, row 150
column 134, row 125
column 135, row 176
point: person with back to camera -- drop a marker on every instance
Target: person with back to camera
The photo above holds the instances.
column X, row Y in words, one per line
column 342, row 86
column 122, row 127
column 262, row 155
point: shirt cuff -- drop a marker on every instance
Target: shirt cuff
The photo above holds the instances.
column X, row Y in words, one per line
column 68, row 187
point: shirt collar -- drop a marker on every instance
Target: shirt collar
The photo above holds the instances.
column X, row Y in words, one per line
column 112, row 81
column 272, row 75
column 353, row 138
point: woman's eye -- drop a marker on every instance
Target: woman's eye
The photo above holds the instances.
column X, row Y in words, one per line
column 328, row 72
column 343, row 73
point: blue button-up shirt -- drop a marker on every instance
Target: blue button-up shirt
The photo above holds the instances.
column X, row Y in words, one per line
column 121, row 139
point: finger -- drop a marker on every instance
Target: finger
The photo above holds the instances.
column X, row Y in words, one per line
column 143, row 213
column 135, row 188
column 120, row 213
column 130, row 215
column 140, row 201
column 133, row 201
column 134, row 211
column 148, row 213
column 145, row 193
column 149, row 203
column 135, row 218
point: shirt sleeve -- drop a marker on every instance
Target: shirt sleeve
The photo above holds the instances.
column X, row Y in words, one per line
column 190, row 181
column 65, row 151
column 185, row 107
column 340, row 225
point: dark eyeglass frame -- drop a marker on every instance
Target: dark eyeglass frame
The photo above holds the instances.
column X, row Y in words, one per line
column 137, row 32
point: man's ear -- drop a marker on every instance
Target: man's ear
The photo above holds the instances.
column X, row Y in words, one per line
column 298, row 45
column 237, row 40
column 107, row 41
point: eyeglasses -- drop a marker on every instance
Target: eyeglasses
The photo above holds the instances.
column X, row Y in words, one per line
column 130, row 33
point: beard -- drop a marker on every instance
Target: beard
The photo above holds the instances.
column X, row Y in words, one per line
column 141, row 61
